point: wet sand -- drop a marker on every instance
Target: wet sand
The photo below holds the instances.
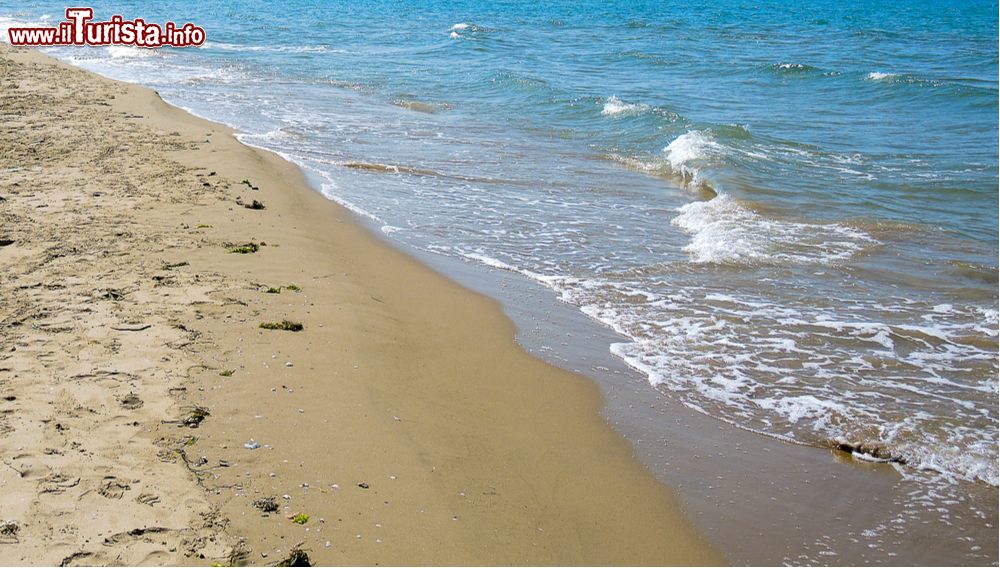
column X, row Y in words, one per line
column 147, row 418
column 759, row 500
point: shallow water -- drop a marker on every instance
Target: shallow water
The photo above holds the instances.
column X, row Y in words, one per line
column 789, row 213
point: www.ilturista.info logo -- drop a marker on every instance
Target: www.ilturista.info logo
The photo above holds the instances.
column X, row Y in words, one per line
column 78, row 29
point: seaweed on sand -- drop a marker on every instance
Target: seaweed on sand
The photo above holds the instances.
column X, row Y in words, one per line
column 284, row 325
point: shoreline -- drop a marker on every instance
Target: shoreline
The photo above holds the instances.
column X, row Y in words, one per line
column 400, row 445
column 759, row 500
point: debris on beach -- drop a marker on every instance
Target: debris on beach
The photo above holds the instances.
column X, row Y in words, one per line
column 266, row 505
column 300, row 519
column 284, row 325
column 132, row 327
column 240, row 553
column 296, row 557
column 112, row 294
column 251, row 445
column 872, row 451
column 195, row 416
column 255, row 205
column 9, row 529
column 363, row 485
column 131, row 401
column 245, row 248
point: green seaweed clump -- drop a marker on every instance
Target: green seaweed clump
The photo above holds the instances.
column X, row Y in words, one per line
column 300, row 519
column 246, row 248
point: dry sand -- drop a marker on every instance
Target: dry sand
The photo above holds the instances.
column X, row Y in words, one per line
column 403, row 419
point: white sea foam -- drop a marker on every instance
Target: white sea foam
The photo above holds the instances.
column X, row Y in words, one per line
column 692, row 146
column 129, row 51
column 879, row 76
column 283, row 134
column 707, row 350
column 616, row 107
column 272, row 48
column 7, row 22
column 457, row 30
column 689, row 153
column 724, row 230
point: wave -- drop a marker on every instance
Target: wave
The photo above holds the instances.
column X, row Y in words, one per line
column 282, row 134
column 660, row 167
column 648, row 58
column 682, row 161
column 709, row 350
column 272, row 48
column 519, row 84
column 880, row 76
column 724, row 230
column 957, row 85
column 459, row 30
column 376, row 167
column 793, row 68
column 689, row 152
column 18, row 21
column 128, row 51
column 616, row 107
column 419, row 106
column 679, row 339
column 974, row 271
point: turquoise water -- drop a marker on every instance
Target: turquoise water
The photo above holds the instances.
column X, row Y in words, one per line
column 788, row 211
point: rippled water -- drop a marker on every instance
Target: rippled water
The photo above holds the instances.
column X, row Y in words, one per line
column 788, row 212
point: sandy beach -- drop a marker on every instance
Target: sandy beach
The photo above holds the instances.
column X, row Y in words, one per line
column 150, row 413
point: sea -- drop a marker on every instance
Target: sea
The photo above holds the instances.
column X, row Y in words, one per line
column 786, row 212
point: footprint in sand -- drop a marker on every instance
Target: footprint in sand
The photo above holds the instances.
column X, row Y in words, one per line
column 113, row 488
column 131, row 402
column 148, row 499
